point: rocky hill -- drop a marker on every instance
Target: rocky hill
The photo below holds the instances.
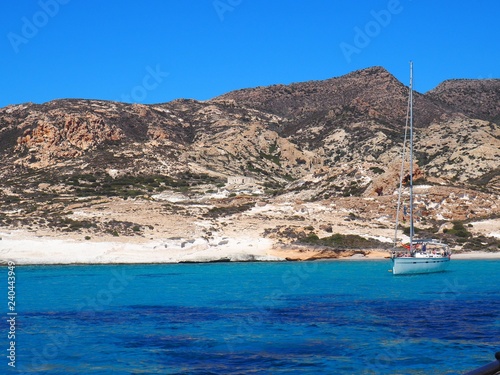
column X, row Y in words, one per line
column 336, row 140
column 475, row 98
column 369, row 94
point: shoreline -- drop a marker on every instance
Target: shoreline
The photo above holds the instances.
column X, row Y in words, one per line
column 24, row 248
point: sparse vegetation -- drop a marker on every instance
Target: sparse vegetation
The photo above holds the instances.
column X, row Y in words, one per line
column 130, row 186
column 343, row 241
column 406, row 230
column 228, row 210
column 459, row 230
column 354, row 189
column 377, row 170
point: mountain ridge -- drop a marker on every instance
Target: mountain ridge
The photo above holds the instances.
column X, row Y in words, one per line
column 477, row 98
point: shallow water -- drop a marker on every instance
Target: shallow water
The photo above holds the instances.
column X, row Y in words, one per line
column 338, row 317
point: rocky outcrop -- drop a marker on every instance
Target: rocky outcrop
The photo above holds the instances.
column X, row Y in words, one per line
column 69, row 137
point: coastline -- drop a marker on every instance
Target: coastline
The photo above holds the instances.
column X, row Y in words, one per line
column 27, row 249
column 475, row 255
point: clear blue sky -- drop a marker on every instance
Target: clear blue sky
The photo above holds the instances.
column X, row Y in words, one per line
column 154, row 51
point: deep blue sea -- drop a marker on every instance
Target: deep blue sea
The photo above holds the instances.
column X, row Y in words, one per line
column 336, row 317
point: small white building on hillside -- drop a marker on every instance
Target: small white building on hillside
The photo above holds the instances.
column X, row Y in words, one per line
column 240, row 180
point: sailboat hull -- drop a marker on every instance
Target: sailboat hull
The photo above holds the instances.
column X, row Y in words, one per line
column 412, row 265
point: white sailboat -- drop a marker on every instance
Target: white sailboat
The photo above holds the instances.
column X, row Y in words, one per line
column 420, row 255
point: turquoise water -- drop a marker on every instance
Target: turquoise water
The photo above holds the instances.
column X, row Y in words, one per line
column 341, row 317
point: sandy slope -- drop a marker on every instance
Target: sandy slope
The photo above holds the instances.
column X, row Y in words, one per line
column 191, row 237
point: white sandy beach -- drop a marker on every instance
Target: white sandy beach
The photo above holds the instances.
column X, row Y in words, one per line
column 25, row 248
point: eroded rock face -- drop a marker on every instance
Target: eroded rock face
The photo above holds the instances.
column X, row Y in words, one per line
column 67, row 135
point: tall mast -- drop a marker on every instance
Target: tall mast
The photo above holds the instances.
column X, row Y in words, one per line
column 401, row 173
column 412, row 229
